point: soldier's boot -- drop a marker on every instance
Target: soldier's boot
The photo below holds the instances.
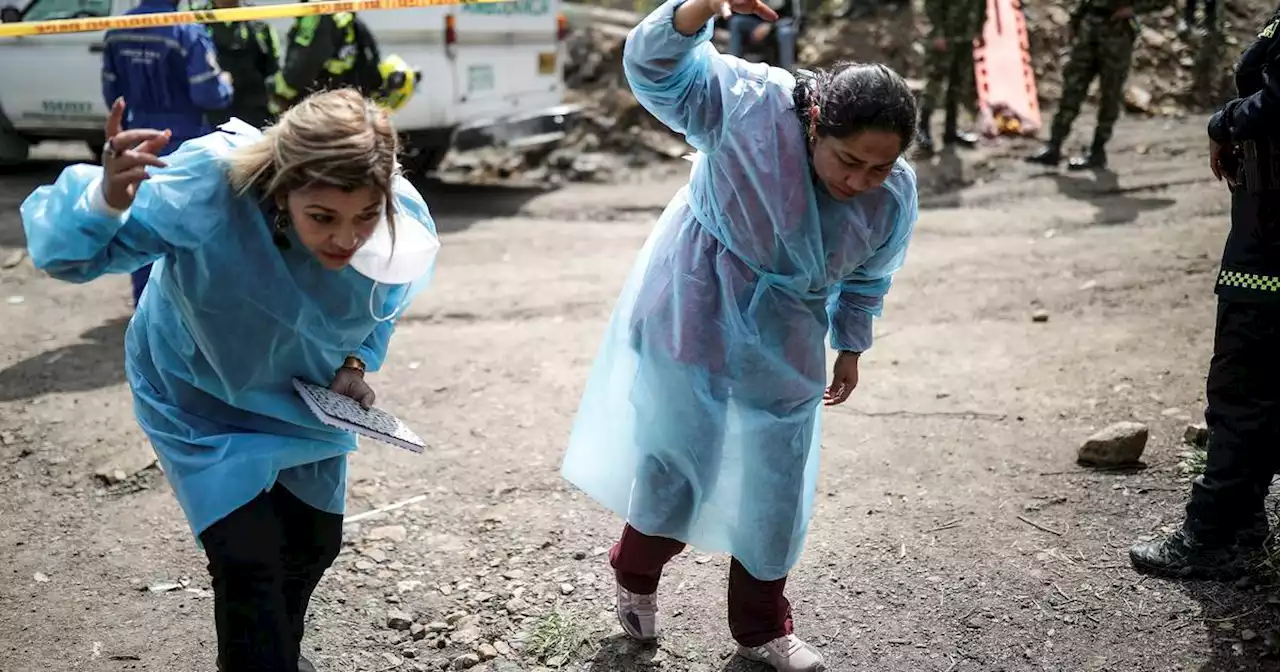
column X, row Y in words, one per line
column 951, row 134
column 304, row 665
column 924, row 137
column 1095, row 159
column 1049, row 155
column 1188, row 555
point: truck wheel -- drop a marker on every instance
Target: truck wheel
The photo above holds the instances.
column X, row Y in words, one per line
column 95, row 148
column 421, row 162
column 424, row 150
column 14, row 149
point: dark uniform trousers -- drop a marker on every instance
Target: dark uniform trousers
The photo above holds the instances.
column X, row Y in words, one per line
column 1244, row 421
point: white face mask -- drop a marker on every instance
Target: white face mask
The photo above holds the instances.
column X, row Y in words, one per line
column 414, row 251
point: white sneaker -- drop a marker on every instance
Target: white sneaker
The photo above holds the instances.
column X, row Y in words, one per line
column 786, row 654
column 638, row 614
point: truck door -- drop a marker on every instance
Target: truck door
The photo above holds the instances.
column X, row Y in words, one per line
column 503, row 53
column 51, row 85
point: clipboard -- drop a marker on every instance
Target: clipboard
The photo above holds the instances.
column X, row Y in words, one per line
column 343, row 412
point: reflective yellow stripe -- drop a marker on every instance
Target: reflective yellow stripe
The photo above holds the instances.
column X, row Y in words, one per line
column 284, row 90
column 344, row 64
column 338, row 67
column 1262, row 283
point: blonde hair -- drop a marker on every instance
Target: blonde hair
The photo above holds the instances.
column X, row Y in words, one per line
column 331, row 139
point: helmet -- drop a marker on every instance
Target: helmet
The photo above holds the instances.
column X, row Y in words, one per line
column 398, row 82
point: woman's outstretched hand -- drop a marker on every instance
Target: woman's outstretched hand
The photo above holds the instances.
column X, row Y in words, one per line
column 844, row 377
column 350, row 383
column 126, row 156
column 727, row 7
column 693, row 15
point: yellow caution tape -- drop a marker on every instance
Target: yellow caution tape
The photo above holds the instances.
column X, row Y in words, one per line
column 230, row 14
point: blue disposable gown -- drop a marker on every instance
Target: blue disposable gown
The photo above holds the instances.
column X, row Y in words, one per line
column 228, row 321
column 700, row 419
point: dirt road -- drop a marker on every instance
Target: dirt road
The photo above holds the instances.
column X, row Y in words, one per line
column 953, row 533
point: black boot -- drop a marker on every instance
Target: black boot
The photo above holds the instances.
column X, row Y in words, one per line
column 962, row 139
column 1096, row 159
column 951, row 134
column 1186, row 555
column 1049, row 155
column 924, row 138
column 304, row 665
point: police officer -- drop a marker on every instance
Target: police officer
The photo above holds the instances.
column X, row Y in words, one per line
column 250, row 52
column 326, row 52
column 1226, row 521
column 169, row 78
column 1103, row 33
column 955, row 26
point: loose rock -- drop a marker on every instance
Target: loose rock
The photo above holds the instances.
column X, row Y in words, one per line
column 399, row 620
column 1121, row 444
column 395, row 533
column 466, row 661
column 1196, row 434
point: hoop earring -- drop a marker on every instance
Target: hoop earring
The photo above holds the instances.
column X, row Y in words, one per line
column 278, row 229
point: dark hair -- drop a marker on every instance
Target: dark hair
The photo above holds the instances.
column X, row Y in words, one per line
column 856, row 97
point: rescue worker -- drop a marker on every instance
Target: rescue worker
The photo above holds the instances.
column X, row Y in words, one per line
column 170, row 78
column 326, row 52
column 250, row 52
column 1225, row 520
column 1102, row 35
column 956, row 24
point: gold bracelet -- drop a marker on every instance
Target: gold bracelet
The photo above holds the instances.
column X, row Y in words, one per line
column 354, row 363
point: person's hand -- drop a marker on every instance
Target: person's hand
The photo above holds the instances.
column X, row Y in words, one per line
column 1218, row 164
column 725, row 8
column 125, row 158
column 844, row 377
column 226, row 78
column 1123, row 14
column 350, row 383
column 939, row 44
column 760, row 32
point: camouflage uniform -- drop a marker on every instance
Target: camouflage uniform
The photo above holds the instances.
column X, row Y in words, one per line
column 958, row 22
column 1102, row 47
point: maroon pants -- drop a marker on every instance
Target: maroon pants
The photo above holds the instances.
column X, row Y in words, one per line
column 758, row 611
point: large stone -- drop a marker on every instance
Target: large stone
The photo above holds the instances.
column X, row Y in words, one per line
column 1119, row 445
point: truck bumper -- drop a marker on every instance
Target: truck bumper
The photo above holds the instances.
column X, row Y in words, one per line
column 527, row 131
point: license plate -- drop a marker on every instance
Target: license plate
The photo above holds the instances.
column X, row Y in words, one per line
column 547, row 63
column 479, row 78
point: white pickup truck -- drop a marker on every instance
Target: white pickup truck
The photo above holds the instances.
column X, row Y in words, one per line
column 491, row 74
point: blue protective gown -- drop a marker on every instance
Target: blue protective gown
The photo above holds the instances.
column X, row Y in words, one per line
column 228, row 321
column 700, row 419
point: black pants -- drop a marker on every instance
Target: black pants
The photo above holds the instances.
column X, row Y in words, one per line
column 265, row 559
column 1210, row 11
column 1244, row 421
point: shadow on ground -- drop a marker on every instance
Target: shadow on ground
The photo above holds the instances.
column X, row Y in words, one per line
column 95, row 362
column 457, row 206
column 1240, row 623
column 619, row 653
column 1115, row 204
